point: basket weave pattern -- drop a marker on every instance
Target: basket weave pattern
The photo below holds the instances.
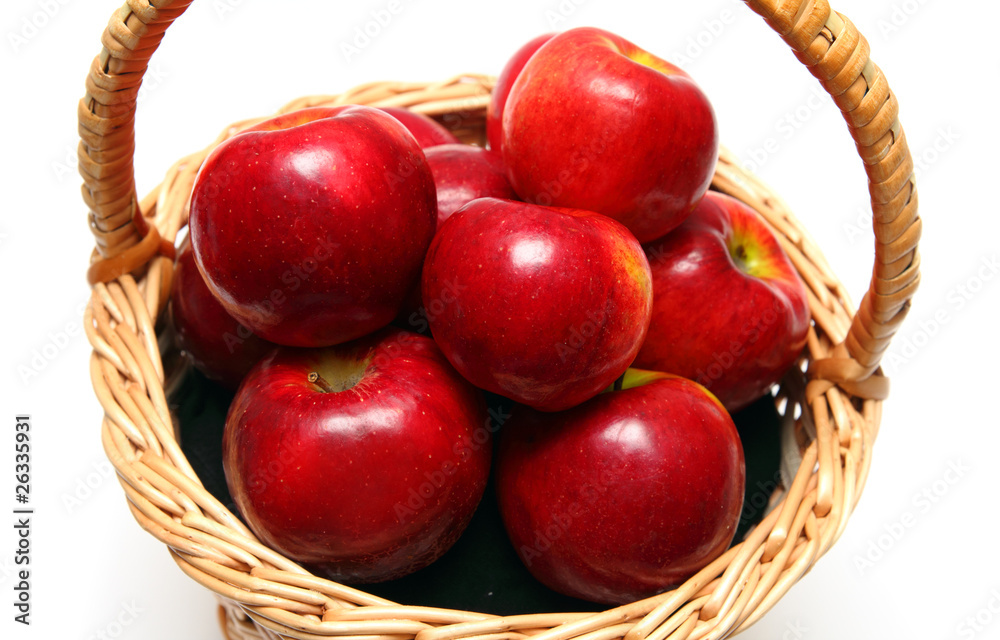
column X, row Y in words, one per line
column 831, row 412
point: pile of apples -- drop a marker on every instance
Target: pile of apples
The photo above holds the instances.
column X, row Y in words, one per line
column 363, row 280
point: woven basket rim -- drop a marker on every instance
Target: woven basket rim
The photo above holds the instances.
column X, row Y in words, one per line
column 263, row 593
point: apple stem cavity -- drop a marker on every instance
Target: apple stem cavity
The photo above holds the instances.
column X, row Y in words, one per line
column 739, row 254
column 750, row 257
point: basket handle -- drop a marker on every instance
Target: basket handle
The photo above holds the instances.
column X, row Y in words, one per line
column 833, row 50
column 827, row 43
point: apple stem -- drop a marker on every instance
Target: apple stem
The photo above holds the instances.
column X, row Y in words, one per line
column 619, row 382
column 319, row 381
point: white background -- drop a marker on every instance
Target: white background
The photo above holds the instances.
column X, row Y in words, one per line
column 95, row 572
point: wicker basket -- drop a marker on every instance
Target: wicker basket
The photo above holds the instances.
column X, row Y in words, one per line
column 831, row 413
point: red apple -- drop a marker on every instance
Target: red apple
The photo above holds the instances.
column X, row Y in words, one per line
column 542, row 305
column 462, row 173
column 495, row 108
column 626, row 495
column 214, row 342
column 428, row 131
column 594, row 122
column 311, row 229
column 364, row 461
column 729, row 309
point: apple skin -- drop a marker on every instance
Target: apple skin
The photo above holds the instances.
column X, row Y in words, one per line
column 625, row 495
column 735, row 329
column 498, row 98
column 295, row 118
column 542, row 305
column 428, row 132
column 464, row 172
column 365, row 484
column 312, row 234
column 212, row 340
column 594, row 122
